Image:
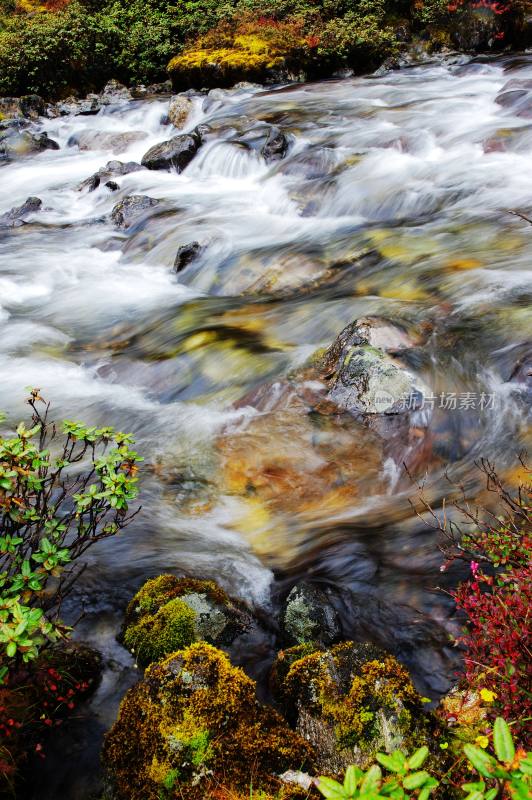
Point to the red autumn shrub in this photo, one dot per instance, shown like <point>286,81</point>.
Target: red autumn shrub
<point>496,600</point>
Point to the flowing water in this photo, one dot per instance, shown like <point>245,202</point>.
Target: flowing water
<point>393,200</point>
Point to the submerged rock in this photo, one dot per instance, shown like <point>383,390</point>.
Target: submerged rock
<point>99,140</point>
<point>309,616</point>
<point>349,703</point>
<point>111,170</point>
<point>195,723</point>
<point>179,110</point>
<point>15,217</point>
<point>130,210</point>
<point>15,143</point>
<point>185,254</point>
<point>170,613</point>
<point>176,153</point>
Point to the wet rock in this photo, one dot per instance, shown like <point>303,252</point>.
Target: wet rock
<point>128,211</point>
<point>112,186</point>
<point>115,92</point>
<point>30,106</point>
<point>185,254</point>
<point>179,110</point>
<point>309,616</point>
<point>196,719</point>
<point>112,169</point>
<point>169,613</point>
<point>349,703</point>
<point>176,153</point>
<point>363,378</point>
<point>99,140</point>
<point>516,96</point>
<point>15,217</point>
<point>275,147</point>
<point>15,143</point>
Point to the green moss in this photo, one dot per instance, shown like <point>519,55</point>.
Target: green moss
<point>160,590</point>
<point>155,636</point>
<point>196,717</point>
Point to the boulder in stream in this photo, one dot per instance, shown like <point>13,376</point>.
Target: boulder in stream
<point>17,143</point>
<point>309,616</point>
<point>100,140</point>
<point>130,210</point>
<point>194,724</point>
<point>179,110</point>
<point>185,254</point>
<point>29,106</point>
<point>275,146</point>
<point>170,613</point>
<point>111,170</point>
<point>16,217</point>
<point>176,153</point>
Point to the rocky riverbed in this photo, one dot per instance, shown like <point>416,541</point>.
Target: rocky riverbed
<point>302,300</point>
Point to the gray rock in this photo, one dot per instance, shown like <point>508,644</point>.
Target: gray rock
<point>176,153</point>
<point>179,110</point>
<point>364,378</point>
<point>185,254</point>
<point>111,170</point>
<point>309,616</point>
<point>131,210</point>
<point>15,217</point>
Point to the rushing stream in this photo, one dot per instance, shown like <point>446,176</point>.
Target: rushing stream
<point>393,200</point>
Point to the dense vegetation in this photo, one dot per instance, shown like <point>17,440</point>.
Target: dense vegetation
<point>63,47</point>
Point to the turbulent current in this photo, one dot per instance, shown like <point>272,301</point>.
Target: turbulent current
<point>394,200</point>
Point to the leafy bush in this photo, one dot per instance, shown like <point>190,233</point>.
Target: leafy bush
<point>507,774</point>
<point>55,503</point>
<point>55,53</point>
<point>496,599</point>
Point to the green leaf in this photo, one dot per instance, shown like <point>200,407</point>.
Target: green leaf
<point>416,780</point>
<point>389,762</point>
<point>371,780</point>
<point>475,796</point>
<point>481,761</point>
<point>418,758</point>
<point>502,741</point>
<point>492,794</point>
<point>11,649</point>
<point>351,779</point>
<point>331,789</point>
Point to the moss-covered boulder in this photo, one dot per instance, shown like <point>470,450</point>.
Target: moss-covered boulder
<point>192,724</point>
<point>349,703</point>
<point>170,613</point>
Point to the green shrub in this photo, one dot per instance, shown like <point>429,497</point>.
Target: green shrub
<point>56,53</point>
<point>56,501</point>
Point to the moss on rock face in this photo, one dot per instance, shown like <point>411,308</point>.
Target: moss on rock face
<point>193,723</point>
<point>170,613</point>
<point>350,702</point>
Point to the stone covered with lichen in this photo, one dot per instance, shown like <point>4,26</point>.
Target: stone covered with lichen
<point>194,723</point>
<point>170,613</point>
<point>350,702</point>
